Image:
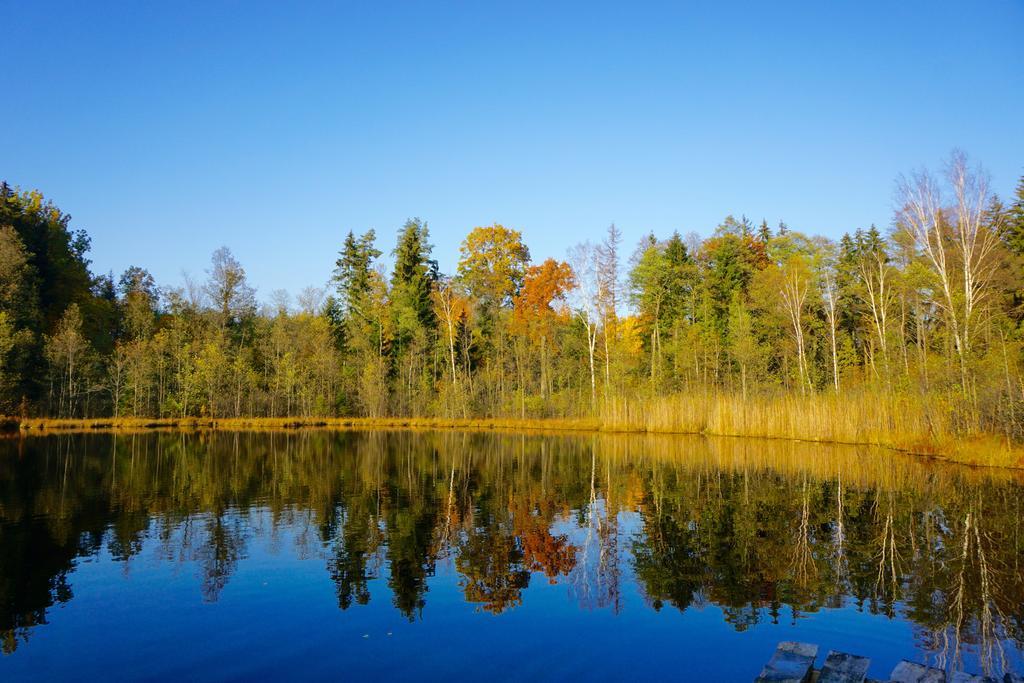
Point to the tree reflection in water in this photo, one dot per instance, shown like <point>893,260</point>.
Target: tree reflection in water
<point>760,529</point>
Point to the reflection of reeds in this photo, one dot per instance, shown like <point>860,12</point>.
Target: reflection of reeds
<point>862,467</point>
<point>914,423</point>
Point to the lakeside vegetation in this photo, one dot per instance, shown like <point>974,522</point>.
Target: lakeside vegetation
<point>910,339</point>
<point>823,422</point>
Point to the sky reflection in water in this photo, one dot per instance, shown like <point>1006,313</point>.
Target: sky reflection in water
<point>321,554</point>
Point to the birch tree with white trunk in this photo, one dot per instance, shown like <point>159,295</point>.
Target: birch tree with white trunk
<point>947,223</point>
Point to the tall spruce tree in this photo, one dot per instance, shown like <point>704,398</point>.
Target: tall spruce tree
<point>352,273</point>
<point>414,278</point>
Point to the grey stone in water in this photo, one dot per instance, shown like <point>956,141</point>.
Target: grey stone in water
<point>792,663</point>
<point>964,677</point>
<point>841,667</point>
<point>909,672</point>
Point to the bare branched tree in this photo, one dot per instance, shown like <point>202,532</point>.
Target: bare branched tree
<point>584,259</point>
<point>956,243</point>
<point>830,296</point>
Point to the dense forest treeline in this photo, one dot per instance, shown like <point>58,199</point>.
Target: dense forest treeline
<point>921,323</point>
<point>767,532</point>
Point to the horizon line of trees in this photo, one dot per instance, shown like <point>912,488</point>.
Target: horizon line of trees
<point>933,307</point>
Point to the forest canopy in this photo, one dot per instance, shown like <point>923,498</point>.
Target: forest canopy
<point>922,316</point>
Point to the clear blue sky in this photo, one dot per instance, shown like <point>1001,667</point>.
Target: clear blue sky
<point>168,129</point>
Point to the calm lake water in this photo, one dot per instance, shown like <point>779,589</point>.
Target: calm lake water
<point>330,555</point>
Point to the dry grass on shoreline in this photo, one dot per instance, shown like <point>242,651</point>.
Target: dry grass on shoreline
<point>896,423</point>
<point>912,424</point>
<point>137,424</point>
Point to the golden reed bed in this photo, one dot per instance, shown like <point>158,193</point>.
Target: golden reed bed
<point>890,422</point>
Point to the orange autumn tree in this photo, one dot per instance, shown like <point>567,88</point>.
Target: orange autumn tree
<point>539,307</point>
<point>543,550</point>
